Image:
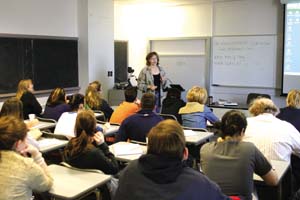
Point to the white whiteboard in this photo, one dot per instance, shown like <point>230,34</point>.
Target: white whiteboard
<point>246,61</point>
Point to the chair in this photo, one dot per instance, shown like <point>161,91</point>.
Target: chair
<point>252,96</point>
<point>46,120</point>
<point>99,115</point>
<point>168,116</point>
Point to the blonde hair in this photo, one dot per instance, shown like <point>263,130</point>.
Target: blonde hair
<point>23,87</point>
<point>197,94</point>
<point>263,105</point>
<point>92,98</point>
<point>293,99</point>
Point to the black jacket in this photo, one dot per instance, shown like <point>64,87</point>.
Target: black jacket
<point>171,106</point>
<point>162,178</point>
<point>30,105</point>
<point>97,158</point>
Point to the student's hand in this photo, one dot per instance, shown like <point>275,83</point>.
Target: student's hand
<point>98,138</point>
<point>137,101</point>
<point>33,151</point>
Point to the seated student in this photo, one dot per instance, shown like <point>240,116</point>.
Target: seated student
<point>14,107</point>
<point>94,100</point>
<point>196,114</point>
<point>19,174</point>
<point>88,149</point>
<point>291,113</point>
<point>127,108</point>
<point>56,104</point>
<point>275,138</point>
<point>162,172</point>
<point>172,103</point>
<point>223,159</point>
<point>137,126</point>
<point>66,123</point>
<point>30,103</point>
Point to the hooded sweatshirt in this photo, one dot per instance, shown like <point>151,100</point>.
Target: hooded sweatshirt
<point>164,178</point>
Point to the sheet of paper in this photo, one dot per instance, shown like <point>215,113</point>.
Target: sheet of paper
<point>46,142</point>
<point>189,133</point>
<point>127,149</point>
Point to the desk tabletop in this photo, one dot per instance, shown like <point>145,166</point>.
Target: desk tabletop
<point>239,106</point>
<point>280,167</point>
<point>198,138</point>
<point>50,144</point>
<point>113,129</point>
<point>71,184</point>
<point>129,157</point>
<point>44,125</point>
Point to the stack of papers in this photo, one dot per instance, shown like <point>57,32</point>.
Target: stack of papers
<point>188,133</point>
<point>127,149</point>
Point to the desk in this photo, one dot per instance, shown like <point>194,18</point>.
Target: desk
<point>50,144</point>
<point>201,137</point>
<point>113,129</point>
<point>220,110</point>
<point>44,125</point>
<point>126,158</point>
<point>281,168</point>
<point>72,184</point>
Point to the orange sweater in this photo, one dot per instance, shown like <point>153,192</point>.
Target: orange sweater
<point>123,111</point>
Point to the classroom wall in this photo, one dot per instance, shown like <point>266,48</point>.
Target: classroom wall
<point>138,23</point>
<point>39,17</point>
<point>89,20</point>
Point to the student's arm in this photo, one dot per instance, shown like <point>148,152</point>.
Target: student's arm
<point>105,160</point>
<point>210,116</point>
<point>39,177</point>
<point>264,169</point>
<point>270,178</point>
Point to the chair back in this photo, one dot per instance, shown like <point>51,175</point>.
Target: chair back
<point>168,116</point>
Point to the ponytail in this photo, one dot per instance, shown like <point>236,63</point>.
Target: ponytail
<point>78,145</point>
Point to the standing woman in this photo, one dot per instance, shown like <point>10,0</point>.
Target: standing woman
<point>152,78</point>
<point>25,94</point>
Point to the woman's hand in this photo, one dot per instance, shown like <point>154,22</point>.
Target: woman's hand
<point>98,138</point>
<point>152,87</point>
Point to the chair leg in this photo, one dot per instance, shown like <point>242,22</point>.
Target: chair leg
<point>98,194</point>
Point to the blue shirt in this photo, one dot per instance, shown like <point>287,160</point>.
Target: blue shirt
<point>137,126</point>
<point>199,119</point>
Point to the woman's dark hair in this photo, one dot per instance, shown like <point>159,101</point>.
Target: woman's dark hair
<point>57,97</point>
<point>85,127</point>
<point>232,123</point>
<point>75,102</point>
<point>149,56</point>
<point>12,129</point>
<point>12,107</point>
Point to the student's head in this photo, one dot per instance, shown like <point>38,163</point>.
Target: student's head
<point>152,58</point>
<point>77,102</point>
<point>148,101</point>
<point>96,85</point>
<point>293,99</point>
<point>197,94</point>
<point>167,139</point>
<point>24,85</point>
<point>233,123</point>
<point>262,105</point>
<point>173,93</point>
<point>85,128</point>
<point>12,107</point>
<point>130,94</point>
<point>57,96</point>
<point>92,98</point>
<point>13,132</point>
